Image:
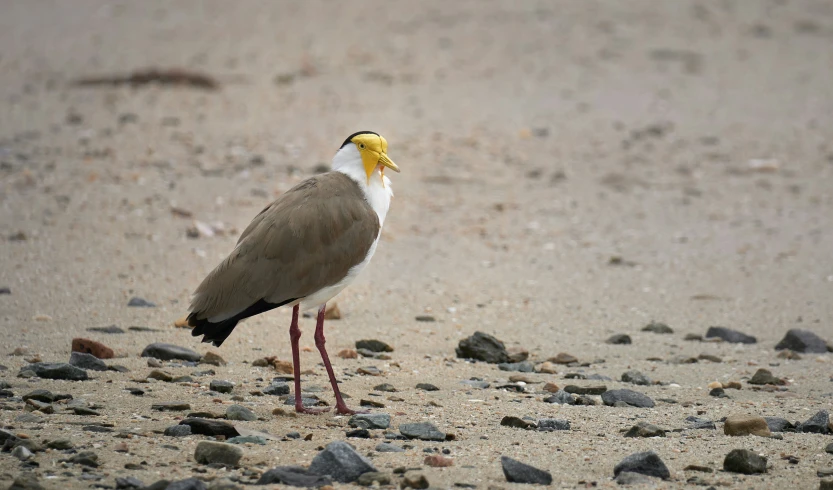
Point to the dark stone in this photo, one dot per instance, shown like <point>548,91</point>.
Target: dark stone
<point>157,485</point>
<point>208,427</point>
<point>373,345</point>
<point>619,339</point>
<point>817,424</point>
<point>221,386</point>
<point>744,461</point>
<point>239,412</point>
<point>630,397</point>
<point>169,352</point>
<point>178,431</point>
<point>730,335</point>
<point>417,481</point>
<point>370,421</point>
<point>549,425</point>
<point>645,463</point>
<point>186,484</point>
<point>644,429</point>
<point>138,302</point>
<point>5,290</point>
<point>128,482</point>
<point>424,431</point>
<point>85,458</point>
<point>657,327</point>
<point>6,393</point>
<point>57,371</point>
<point>294,476</point>
<point>358,433</point>
<point>277,389</point>
<point>341,462</point>
<point>26,481</point>
<point>112,329</point>
<point>371,477</point>
<point>44,396</point>
<point>765,377</point>
<point>170,406</point>
<point>829,448</point>
<point>87,361</point>
<point>636,378</point>
<point>778,424</point>
<point>718,392</point>
<point>386,387</point>
<point>517,422</point>
<point>561,397</point>
<point>427,387</point>
<point>803,341</point>
<point>97,428</point>
<point>483,347</point>
<point>425,318</point>
<point>522,367</point>
<point>585,390</point>
<point>699,423</point>
<point>517,472</point>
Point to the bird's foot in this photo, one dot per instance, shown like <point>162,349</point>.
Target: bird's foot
<point>344,410</point>
<point>311,411</point>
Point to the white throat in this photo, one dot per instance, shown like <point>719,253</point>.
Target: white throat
<point>349,162</point>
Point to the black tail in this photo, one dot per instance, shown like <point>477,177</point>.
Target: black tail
<point>217,333</point>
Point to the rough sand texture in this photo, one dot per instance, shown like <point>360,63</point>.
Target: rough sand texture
<point>537,141</point>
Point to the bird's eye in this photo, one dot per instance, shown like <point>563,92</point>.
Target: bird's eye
<point>361,146</point>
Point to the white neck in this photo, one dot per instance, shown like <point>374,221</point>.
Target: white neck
<point>349,162</point>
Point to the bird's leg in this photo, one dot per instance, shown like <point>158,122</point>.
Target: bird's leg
<point>294,336</point>
<point>341,407</point>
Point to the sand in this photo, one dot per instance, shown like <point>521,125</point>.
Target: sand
<point>570,170</point>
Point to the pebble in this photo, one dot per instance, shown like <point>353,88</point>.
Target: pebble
<point>137,302</point>
<point>482,347</point>
<point>635,377</point>
<point>744,461</point>
<point>476,383</point>
<point>21,453</point>
<point>522,367</point>
<point>347,354</point>
<point>26,481</point>
<point>718,392</point>
<point>424,431</point>
<point>170,352</point>
<point>425,318</point>
<point>730,335</point>
<point>88,346</point>
<point>369,370</point>
<point>657,327</point>
<point>57,371</point>
<point>170,406</point>
<point>549,425</point>
<point>709,357</point>
<point>178,431</point>
<point>386,447</point>
<point>213,359</point>
<point>644,429</point>
<point>210,427</point>
<point>358,433</point>
<point>341,462</point>
<point>629,478</point>
<point>829,448</point>
<point>186,484</point>
<point>87,361</point>
<point>209,452</point>
<point>561,397</point>
<point>277,389</point>
<point>252,439</point>
<point>517,422</point>
<point>373,345</point>
<point>517,472</point>
<point>221,386</point>
<point>585,390</point>
<point>743,425</point>
<point>551,388</point>
<point>699,423</point>
<point>817,424</point>
<point>127,482</point>
<point>765,377</point>
<point>778,424</point>
<point>427,387</point>
<point>438,461</point>
<point>803,341</point>
<point>161,375</point>
<point>85,458</point>
<point>239,412</point>
<point>563,358</point>
<point>60,444</point>
<point>619,339</point>
<point>632,398</point>
<point>645,463</point>
<point>154,363</point>
<point>415,481</point>
<point>546,367</point>
<point>370,421</point>
<point>372,477</point>
<point>295,476</point>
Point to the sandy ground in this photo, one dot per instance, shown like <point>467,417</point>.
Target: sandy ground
<point>537,141</point>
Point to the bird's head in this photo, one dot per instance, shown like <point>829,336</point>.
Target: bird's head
<point>366,149</point>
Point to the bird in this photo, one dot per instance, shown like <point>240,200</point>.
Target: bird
<point>302,250</point>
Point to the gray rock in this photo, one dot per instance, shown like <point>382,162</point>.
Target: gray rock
<point>817,424</point>
<point>44,396</point>
<point>208,427</point>
<point>561,397</point>
<point>778,424</point>
<point>85,458</point>
<point>186,484</point>
<point>340,462</point>
<point>427,387</point>
<point>730,335</point>
<point>523,367</point>
<point>765,377</point>
<point>277,389</point>
<point>635,377</point>
<point>26,481</point>
<point>111,329</point>
<point>386,447</point>
<point>386,387</point>
<point>644,463</point>
<point>87,361</point>
<point>170,352</point>
<point>221,386</point>
<point>483,347</point>
<point>475,383</point>
<point>373,345</point>
<point>178,431</point>
<point>632,398</point>
<point>123,483</point>
<point>247,440</point>
<point>644,429</point>
<point>239,412</point>
<point>21,453</point>
<point>295,476</point>
<point>699,423</point>
<point>803,341</point>
<point>829,448</point>
<point>370,421</point>
<point>424,431</point>
<point>517,422</point>
<point>744,461</point>
<point>371,477</point>
<point>619,339</point>
<point>517,472</point>
<point>60,444</point>
<point>137,302</point>
<point>58,370</point>
<point>549,425</point>
<point>209,452</point>
<point>585,390</point>
<point>657,327</point>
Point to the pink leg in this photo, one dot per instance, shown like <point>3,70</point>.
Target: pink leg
<point>341,407</point>
<point>294,335</point>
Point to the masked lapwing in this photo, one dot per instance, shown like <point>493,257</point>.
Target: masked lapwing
<point>301,251</point>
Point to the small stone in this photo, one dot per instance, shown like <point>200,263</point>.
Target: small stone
<point>221,386</point>
<point>730,335</point>
<point>84,411</point>
<point>743,425</point>
<point>745,462</point>
<point>821,473</point>
<point>644,463</point>
<point>517,422</point>
<point>693,337</point>
<point>817,424</point>
<point>632,398</point>
<point>517,354</point>
<point>213,359</point>
<point>127,482</point>
<point>154,363</point>
<point>517,472</point>
<point>60,444</point>
<point>277,389</point>
<point>161,376</point>
<point>657,327</point>
<point>92,347</point>
<point>476,383</point>
<point>733,385</point>
<point>778,424</point>
<point>170,406</point>
<point>697,467</point>
<point>585,390</point>
<point>644,429</point>
<point>138,302</point>
<point>427,387</point>
<point>209,452</point>
<point>57,371</point>
<point>251,439</point>
<point>765,377</point>
<point>549,425</point>
<point>523,367</point>
<point>370,421</point>
<point>87,361</point>
<point>296,476</point>
<point>619,339</point>
<point>424,431</point>
<point>239,412</point>
<point>386,447</point>
<point>438,461</point>
<point>636,377</point>
<point>5,290</point>
<point>709,357</point>
<point>699,423</point>
<point>561,397</point>
<point>370,371</point>
<point>26,481</point>
<point>371,477</point>
<point>332,312</point>
<point>21,453</point>
<point>85,458</point>
<point>718,392</point>
<point>789,354</point>
<point>417,482</point>
<point>829,448</point>
<point>170,352</point>
<point>373,345</point>
<point>186,484</point>
<point>425,318</point>
<point>358,433</point>
<point>546,367</point>
<point>178,431</point>
<point>628,478</point>
<point>551,388</point>
<point>803,341</point>
<point>341,462</point>
<point>563,358</point>
<point>348,354</point>
<point>483,347</point>
<point>825,484</point>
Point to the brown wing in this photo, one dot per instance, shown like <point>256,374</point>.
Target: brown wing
<point>306,240</point>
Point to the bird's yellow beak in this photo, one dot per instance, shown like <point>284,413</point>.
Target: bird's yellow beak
<point>387,162</point>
